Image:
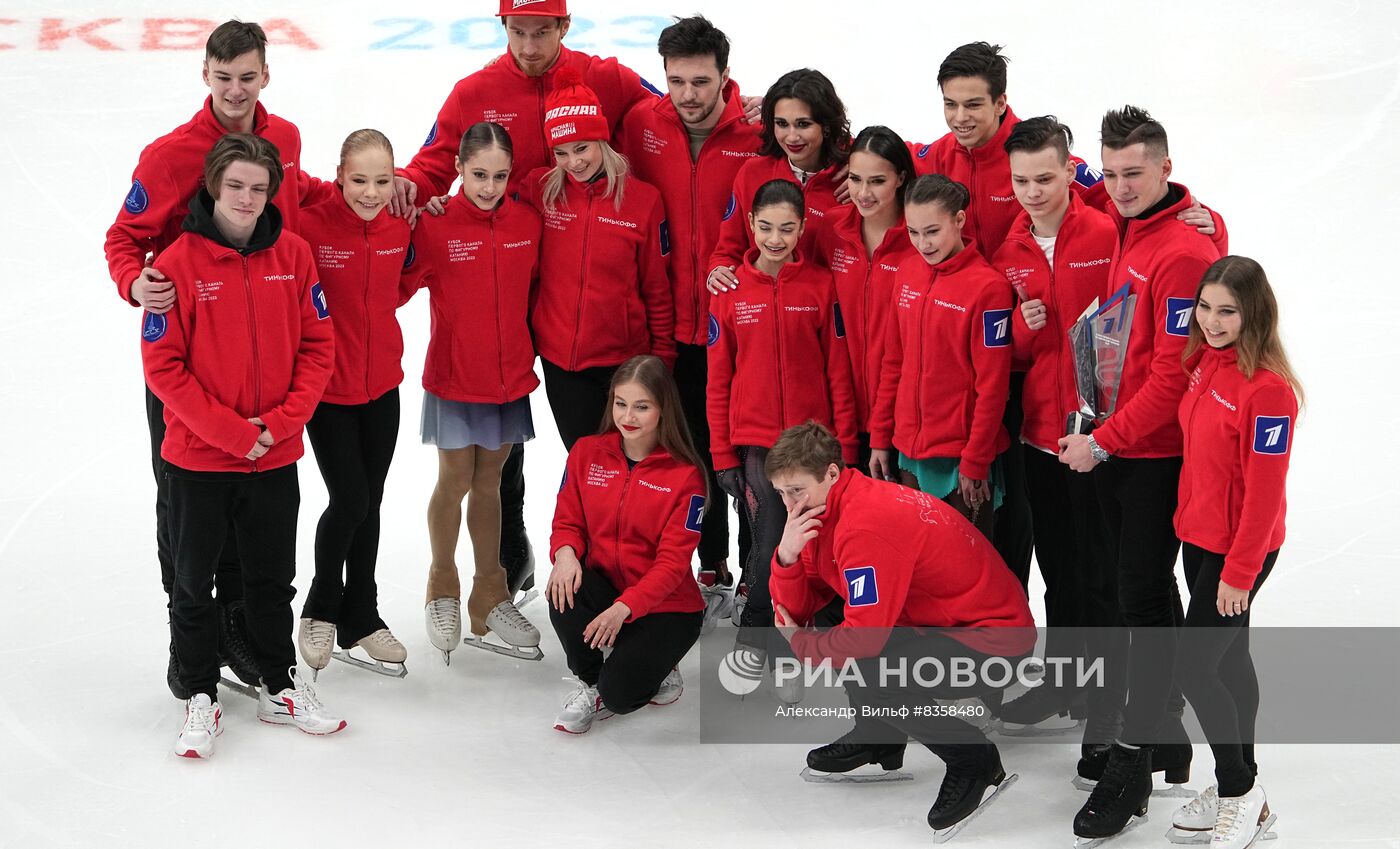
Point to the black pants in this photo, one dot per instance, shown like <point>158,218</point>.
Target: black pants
<point>1060,523</point>
<point>513,510</point>
<point>1013,532</point>
<point>951,738</point>
<point>261,512</point>
<point>645,651</point>
<point>692,372</point>
<point>1215,671</point>
<point>577,399</point>
<point>354,446</point>
<point>766,519</point>
<point>1137,498</point>
<point>228,577</point>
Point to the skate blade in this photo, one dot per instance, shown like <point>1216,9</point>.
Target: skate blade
<point>524,597</point>
<point>239,687</point>
<point>379,667</point>
<point>945,834</point>
<point>1202,838</point>
<point>1091,842</point>
<point>1037,730</point>
<point>854,777</point>
<point>517,652</point>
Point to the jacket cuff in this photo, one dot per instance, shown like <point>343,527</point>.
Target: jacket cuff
<point>973,469</point>
<point>278,425</point>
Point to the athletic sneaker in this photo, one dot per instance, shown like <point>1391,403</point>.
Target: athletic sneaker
<point>297,705</point>
<point>583,706</point>
<point>201,727</point>
<point>670,690</point>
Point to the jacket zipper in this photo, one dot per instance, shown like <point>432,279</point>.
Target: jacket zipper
<point>253,337</point>
<point>778,338</point>
<point>621,504</point>
<point>582,278</point>
<point>496,290</point>
<point>369,259</point>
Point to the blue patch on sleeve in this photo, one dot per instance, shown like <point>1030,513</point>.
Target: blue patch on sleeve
<point>840,322</point>
<point>136,200</point>
<point>651,88</point>
<point>733,205</point>
<point>665,238</point>
<point>153,327</point>
<point>432,135</point>
<point>564,479</point>
<point>318,300</point>
<point>1178,318</point>
<point>409,256</point>
<point>996,328</point>
<point>712,331</point>
<point>695,513</point>
<point>923,151</point>
<point>1271,434</point>
<point>1086,176</point>
<point>861,590</point>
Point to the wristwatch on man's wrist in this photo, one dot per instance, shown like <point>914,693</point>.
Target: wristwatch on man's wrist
<point>1095,449</point>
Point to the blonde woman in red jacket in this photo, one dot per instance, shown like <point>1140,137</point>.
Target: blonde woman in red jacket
<point>626,524</point>
<point>360,250</point>
<point>604,295</point>
<point>240,362</point>
<point>1237,419</point>
<point>478,259</point>
<point>947,364</point>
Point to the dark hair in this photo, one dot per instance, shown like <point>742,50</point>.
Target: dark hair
<point>1259,345</point>
<point>1132,125</point>
<point>693,36</point>
<point>232,39</point>
<point>936,188</point>
<point>1035,134</point>
<point>775,192</point>
<point>242,147</point>
<point>674,433</point>
<point>484,135</point>
<point>978,59</point>
<point>808,447</point>
<point>886,144</point>
<point>814,89</point>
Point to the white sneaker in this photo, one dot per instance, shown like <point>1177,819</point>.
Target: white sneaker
<point>202,725</point>
<point>670,690</point>
<point>1241,820</point>
<point>583,706</point>
<point>316,639</point>
<point>297,705</point>
<point>1198,815</point>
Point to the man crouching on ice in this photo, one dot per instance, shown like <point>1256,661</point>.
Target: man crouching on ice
<point>903,563</point>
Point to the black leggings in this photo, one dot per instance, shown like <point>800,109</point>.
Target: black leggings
<point>354,446</point>
<point>577,399</point>
<point>766,518</point>
<point>1215,671</point>
<point>692,372</point>
<point>643,654</point>
<point>261,511</point>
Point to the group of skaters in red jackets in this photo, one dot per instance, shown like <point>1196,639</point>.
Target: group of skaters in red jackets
<point>862,341</point>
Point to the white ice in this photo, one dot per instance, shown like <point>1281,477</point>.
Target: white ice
<point>1282,116</point>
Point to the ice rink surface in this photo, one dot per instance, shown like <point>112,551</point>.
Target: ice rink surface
<point>1281,116</point>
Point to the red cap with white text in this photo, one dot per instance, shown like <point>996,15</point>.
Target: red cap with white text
<point>539,8</point>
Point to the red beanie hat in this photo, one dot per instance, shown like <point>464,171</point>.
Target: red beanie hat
<point>572,112</point>
<point>541,8</point>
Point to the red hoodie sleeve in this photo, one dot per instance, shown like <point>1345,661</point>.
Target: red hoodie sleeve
<point>877,584</point>
<point>315,359</point>
<point>620,89</point>
<point>719,384</point>
<point>674,552</point>
<point>838,375</point>
<point>570,527</point>
<point>314,190</point>
<point>151,203</point>
<point>734,235</point>
<point>1156,401</point>
<point>417,270</point>
<point>432,168</point>
<point>882,415</point>
<point>167,373</point>
<point>1264,453</point>
<point>798,588</point>
<point>991,375</point>
<point>655,284</point>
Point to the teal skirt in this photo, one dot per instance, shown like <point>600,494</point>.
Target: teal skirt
<point>938,476</point>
